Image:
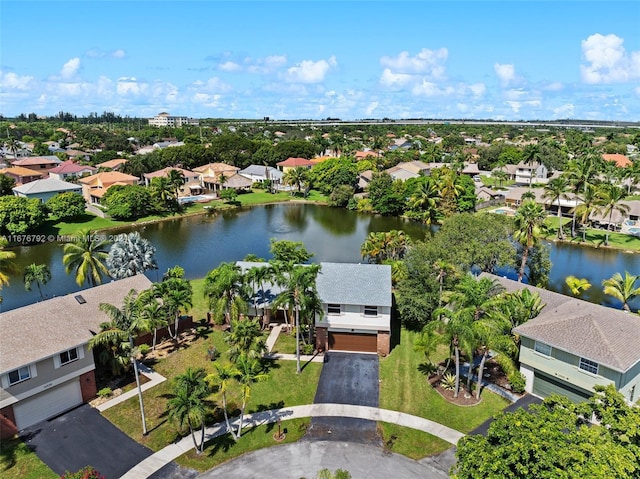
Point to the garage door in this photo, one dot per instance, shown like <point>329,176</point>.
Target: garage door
<point>544,386</point>
<point>353,342</point>
<point>47,404</point>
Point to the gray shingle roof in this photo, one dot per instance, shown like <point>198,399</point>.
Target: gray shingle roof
<point>47,186</point>
<point>605,335</point>
<point>43,329</point>
<point>363,284</point>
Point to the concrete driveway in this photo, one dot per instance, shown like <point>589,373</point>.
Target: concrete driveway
<point>347,378</point>
<point>83,437</point>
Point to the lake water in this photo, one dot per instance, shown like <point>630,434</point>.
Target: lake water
<point>200,243</point>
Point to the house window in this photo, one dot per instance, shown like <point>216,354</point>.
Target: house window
<point>68,356</point>
<point>371,311</point>
<point>19,375</point>
<point>589,366</point>
<point>334,309</point>
<point>542,348</point>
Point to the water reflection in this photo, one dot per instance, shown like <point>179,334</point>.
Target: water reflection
<point>200,243</point>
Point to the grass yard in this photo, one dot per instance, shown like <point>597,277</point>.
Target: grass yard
<point>17,461</point>
<point>594,237</point>
<point>404,388</point>
<point>284,388</point>
<point>223,449</point>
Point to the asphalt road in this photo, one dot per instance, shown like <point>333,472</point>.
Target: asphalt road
<point>347,378</point>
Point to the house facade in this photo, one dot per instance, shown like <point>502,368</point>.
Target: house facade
<point>69,169</point>
<point>527,174</point>
<point>21,175</point>
<point>95,186</point>
<point>574,345</point>
<point>356,301</point>
<point>39,164</point>
<point>164,119</point>
<point>46,367</point>
<point>46,189</point>
<point>258,173</point>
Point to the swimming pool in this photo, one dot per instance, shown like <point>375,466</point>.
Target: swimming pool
<point>634,231</point>
<point>193,199</point>
<point>503,211</point>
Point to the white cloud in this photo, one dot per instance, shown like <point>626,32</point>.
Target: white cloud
<point>371,108</point>
<point>554,86</point>
<point>637,90</point>
<point>230,66</point>
<point>309,71</point>
<point>119,53</point>
<point>212,85</point>
<point>430,89</point>
<point>478,89</point>
<point>517,105</point>
<point>427,62</point>
<point>12,81</point>
<point>395,80</point>
<point>276,61</point>
<point>130,86</point>
<point>97,53</point>
<point>70,68</point>
<point>564,111</point>
<point>608,61</point>
<point>506,72</point>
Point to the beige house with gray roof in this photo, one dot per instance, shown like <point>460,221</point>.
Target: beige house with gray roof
<point>574,345</point>
<point>46,367</point>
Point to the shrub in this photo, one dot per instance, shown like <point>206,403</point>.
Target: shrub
<point>307,348</point>
<point>448,382</point>
<point>517,381</point>
<point>87,472</point>
<point>144,349</point>
<point>105,392</point>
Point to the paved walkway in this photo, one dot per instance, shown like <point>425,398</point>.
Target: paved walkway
<point>154,380</point>
<point>156,461</point>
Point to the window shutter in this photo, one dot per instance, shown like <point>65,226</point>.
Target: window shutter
<point>56,361</point>
<point>80,350</point>
<point>32,370</point>
<point>5,380</point>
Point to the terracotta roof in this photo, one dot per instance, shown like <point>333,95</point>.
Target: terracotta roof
<point>165,172</point>
<point>363,154</point>
<point>43,329</point>
<point>605,335</point>
<point>215,167</point>
<point>112,163</point>
<point>620,160</point>
<point>295,162</point>
<point>69,167</point>
<point>108,178</point>
<point>20,171</point>
<point>37,160</point>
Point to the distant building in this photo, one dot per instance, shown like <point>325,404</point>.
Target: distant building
<point>164,119</point>
<point>46,189</point>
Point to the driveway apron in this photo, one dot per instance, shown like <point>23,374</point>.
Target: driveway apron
<point>83,437</point>
<point>347,378</point>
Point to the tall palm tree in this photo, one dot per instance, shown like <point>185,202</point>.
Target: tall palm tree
<point>153,312</point>
<point>223,287</point>
<point>489,337</point>
<point>296,177</point>
<point>7,264</point>
<point>130,254</point>
<point>623,289</point>
<point>163,192</point>
<point>124,324</point>
<point>555,191</point>
<point>40,274</point>
<point>588,204</point>
<point>531,155</point>
<point>608,200</point>
<point>176,295</point>
<point>245,338</point>
<point>86,255</point>
<point>225,373</point>
<point>188,404</point>
<point>257,277</point>
<point>425,200</point>
<point>450,189</point>
<point>442,269</point>
<point>176,180</point>
<point>251,372</point>
<point>529,220</point>
<point>580,173</point>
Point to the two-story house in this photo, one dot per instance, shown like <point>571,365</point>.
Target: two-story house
<point>46,367</point>
<point>70,169</point>
<point>530,173</point>
<point>95,186</point>
<point>574,345</point>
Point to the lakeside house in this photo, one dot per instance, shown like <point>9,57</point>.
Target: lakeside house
<point>189,177</point>
<point>46,189</point>
<point>95,186</point>
<point>70,169</point>
<point>291,163</point>
<point>38,164</point>
<point>112,165</point>
<point>210,175</point>
<point>21,175</point>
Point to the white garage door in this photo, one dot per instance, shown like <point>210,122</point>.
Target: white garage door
<point>47,404</point>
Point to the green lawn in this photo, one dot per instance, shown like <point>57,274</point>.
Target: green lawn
<point>494,183</point>
<point>17,461</point>
<point>404,388</point>
<point>594,237</point>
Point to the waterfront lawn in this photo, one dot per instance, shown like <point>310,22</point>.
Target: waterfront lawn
<point>594,237</point>
<point>17,461</point>
<point>404,388</point>
<point>284,388</point>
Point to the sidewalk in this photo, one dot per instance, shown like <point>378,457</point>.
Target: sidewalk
<point>158,460</point>
<point>154,380</point>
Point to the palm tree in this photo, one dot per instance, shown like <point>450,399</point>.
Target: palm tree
<point>86,255</point>
<point>490,338</point>
<point>577,285</point>
<point>222,378</point>
<point>554,191</point>
<point>450,189</point>
<point>587,206</point>
<point>425,200</point>
<point>443,269</point>
<point>531,155</point>
<point>529,227</point>
<point>296,177</point>
<point>251,372</point>
<point>153,312</point>
<point>297,282</point>
<point>163,191</point>
<point>130,254</point>
<point>124,324</point>
<point>257,276</point>
<point>40,274</point>
<point>608,200</point>
<point>580,173</point>
<point>176,180</point>
<point>245,338</point>
<point>188,404</point>
<point>176,295</point>
<point>7,265</point>
<point>623,289</point>
<point>224,288</point>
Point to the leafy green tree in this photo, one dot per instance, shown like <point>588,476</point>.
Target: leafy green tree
<point>529,228</point>
<point>188,405</point>
<point>7,183</point>
<point>40,274</point>
<point>86,255</point>
<point>340,196</point>
<point>66,205</point>
<point>228,194</point>
<point>288,251</point>
<point>245,338</point>
<point>382,246</point>
<point>128,201</point>
<point>129,255</point>
<point>19,215</point>
<point>294,149</point>
<point>555,439</point>
<point>118,334</point>
<point>332,173</point>
<point>223,287</point>
<point>338,474</point>
<point>387,197</point>
<point>424,201</point>
<point>296,177</point>
<point>164,194</point>
<point>251,372</point>
<point>624,289</point>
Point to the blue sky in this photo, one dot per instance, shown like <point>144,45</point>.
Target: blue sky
<point>505,60</point>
